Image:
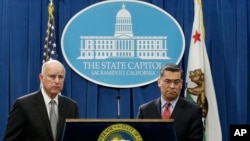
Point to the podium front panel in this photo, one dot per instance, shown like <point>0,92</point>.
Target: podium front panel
<point>119,130</point>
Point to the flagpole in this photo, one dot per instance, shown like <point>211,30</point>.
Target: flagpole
<point>50,17</point>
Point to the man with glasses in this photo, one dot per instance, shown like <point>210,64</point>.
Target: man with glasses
<point>187,116</point>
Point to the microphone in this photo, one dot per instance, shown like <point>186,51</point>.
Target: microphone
<point>118,106</point>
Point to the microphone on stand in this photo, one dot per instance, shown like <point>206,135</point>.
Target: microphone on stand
<point>118,106</point>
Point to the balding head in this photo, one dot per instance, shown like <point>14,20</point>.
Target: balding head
<point>52,77</point>
<point>51,62</point>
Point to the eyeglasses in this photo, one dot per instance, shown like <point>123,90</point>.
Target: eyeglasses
<point>175,82</point>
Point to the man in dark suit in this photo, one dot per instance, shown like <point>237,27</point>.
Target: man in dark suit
<point>29,119</point>
<point>187,116</point>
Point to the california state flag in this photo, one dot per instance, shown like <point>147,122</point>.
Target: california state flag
<point>200,88</point>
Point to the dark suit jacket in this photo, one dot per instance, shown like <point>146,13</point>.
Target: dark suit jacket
<point>29,121</point>
<point>187,118</point>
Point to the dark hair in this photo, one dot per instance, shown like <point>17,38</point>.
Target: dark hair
<point>171,67</point>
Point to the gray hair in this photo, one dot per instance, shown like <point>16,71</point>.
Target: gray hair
<point>171,67</point>
<point>51,61</point>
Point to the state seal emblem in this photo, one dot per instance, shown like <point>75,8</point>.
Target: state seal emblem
<point>120,132</point>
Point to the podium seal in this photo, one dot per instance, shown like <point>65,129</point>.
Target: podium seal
<point>120,132</point>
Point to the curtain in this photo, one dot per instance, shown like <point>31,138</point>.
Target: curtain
<point>22,36</point>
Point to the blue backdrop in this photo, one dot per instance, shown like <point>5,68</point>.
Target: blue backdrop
<point>22,32</point>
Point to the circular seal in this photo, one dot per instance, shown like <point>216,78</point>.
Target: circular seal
<point>120,132</point>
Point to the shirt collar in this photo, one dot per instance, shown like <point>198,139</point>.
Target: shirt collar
<point>173,103</point>
<point>46,98</point>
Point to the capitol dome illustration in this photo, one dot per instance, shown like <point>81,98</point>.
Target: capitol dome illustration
<point>123,44</point>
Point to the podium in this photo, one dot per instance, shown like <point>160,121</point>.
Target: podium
<point>119,130</point>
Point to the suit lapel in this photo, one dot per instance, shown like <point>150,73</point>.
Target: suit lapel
<point>178,108</point>
<point>158,105</point>
<point>43,111</point>
<point>61,112</point>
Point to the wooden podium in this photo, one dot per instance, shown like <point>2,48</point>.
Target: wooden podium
<point>119,130</point>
